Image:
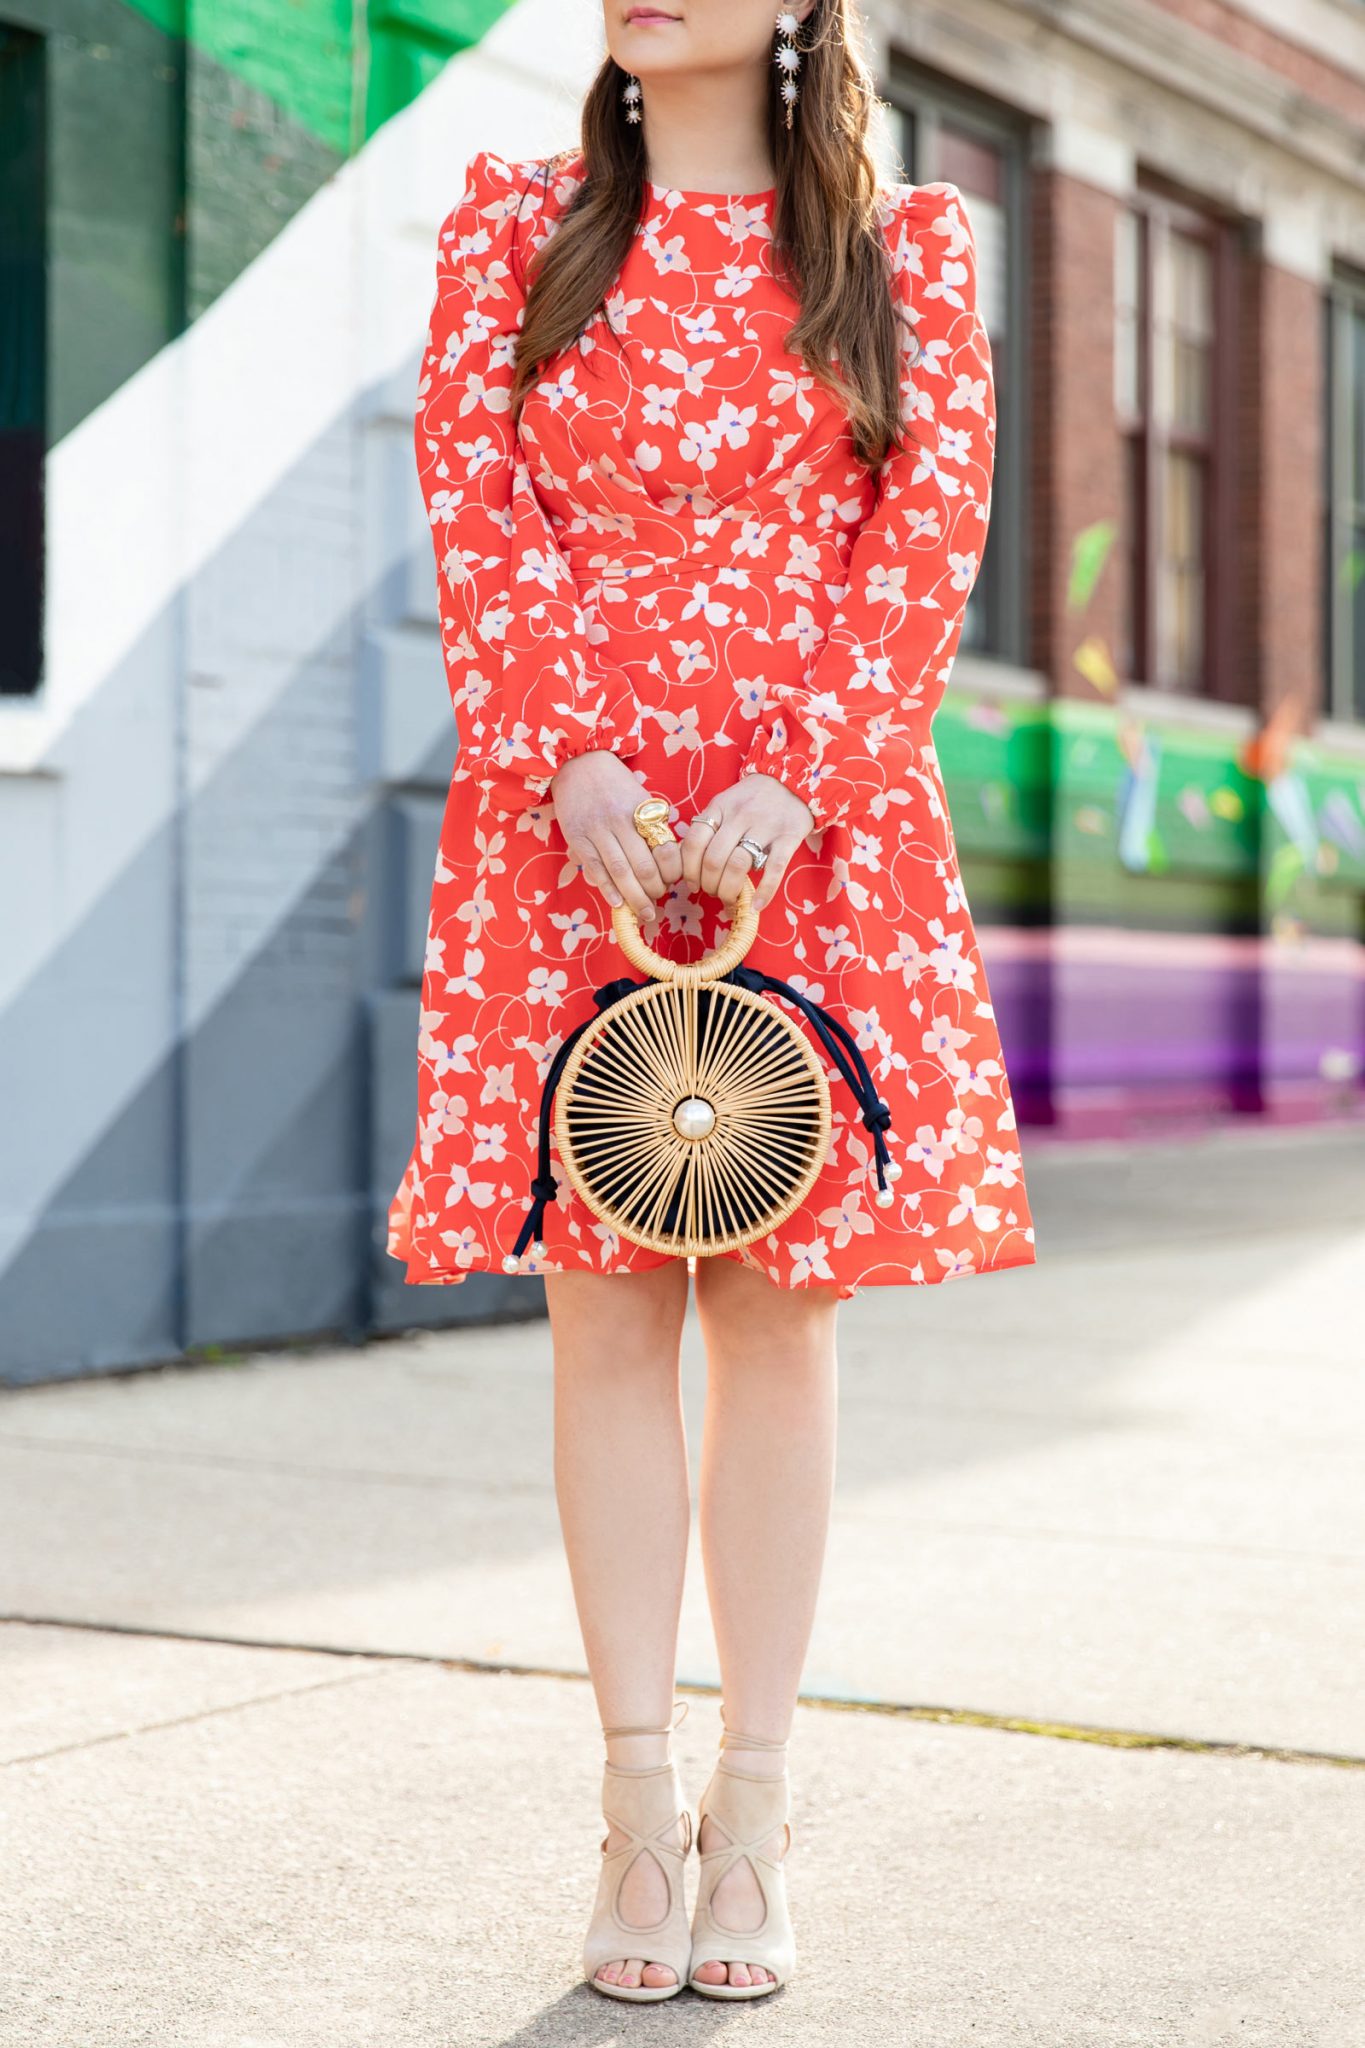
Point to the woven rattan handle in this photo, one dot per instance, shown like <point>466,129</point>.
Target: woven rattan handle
<point>711,966</point>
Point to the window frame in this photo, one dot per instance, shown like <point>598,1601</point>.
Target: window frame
<point>25,246</point>
<point>1343,305</point>
<point>1161,211</point>
<point>922,102</point>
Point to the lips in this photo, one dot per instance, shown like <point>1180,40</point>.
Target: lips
<point>643,14</point>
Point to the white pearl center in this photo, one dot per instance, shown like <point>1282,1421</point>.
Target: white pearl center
<point>694,1117</point>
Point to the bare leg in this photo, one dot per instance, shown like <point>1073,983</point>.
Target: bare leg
<point>767,1480</point>
<point>620,1464</point>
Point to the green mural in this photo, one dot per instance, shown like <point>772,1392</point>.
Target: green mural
<point>183,138</point>
<point>1078,811</point>
<point>335,70</point>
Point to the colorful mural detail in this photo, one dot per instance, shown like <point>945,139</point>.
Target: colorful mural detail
<point>1172,917</point>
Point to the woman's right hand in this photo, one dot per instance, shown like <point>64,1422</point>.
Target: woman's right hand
<point>594,797</point>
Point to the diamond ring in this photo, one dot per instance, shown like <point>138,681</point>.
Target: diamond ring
<point>758,855</point>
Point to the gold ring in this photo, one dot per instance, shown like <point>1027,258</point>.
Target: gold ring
<point>651,821</point>
<point>714,823</point>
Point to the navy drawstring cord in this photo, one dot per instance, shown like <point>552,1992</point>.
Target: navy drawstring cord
<point>545,1188</point>
<point>845,1054</point>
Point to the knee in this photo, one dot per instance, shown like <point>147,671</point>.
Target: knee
<point>750,1323</point>
<point>619,1324</point>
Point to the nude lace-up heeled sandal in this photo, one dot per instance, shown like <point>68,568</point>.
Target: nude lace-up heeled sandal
<point>745,1810</point>
<point>644,1802</point>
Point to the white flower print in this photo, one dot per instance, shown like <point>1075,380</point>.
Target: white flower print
<point>710,608</point>
<point>577,924</point>
<point>980,1213</point>
<point>460,1187</point>
<point>660,405</point>
<point>803,630</point>
<point>948,959</point>
<point>681,729</point>
<point>468,982</point>
<point>453,1058</point>
<point>736,281</point>
<point>693,659</point>
<point>908,960</point>
<point>667,256</point>
<point>463,1245</point>
<point>1002,1167</point>
<point>701,328</point>
<point>838,943</point>
<point>945,1040</point>
<point>499,1085</point>
<point>962,1130</point>
<point>974,1077</point>
<point>804,561</point>
<point>929,1150</point>
<point>672,554</point>
<point>608,1244</point>
<point>955,1264</point>
<point>969,392</point>
<point>922,523</point>
<point>546,985</point>
<point>811,1261</point>
<point>848,1220</point>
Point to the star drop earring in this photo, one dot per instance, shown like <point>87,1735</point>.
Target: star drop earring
<point>788,60</point>
<point>630,93</point>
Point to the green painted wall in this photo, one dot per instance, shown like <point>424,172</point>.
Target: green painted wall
<point>1077,813</point>
<point>332,70</point>
<point>184,137</point>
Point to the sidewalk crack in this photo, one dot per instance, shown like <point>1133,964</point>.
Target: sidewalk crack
<point>824,1702</point>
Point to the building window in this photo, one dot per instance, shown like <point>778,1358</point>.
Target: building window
<point>1346,498</point>
<point>946,138</point>
<point>23,356</point>
<point>1170,282</point>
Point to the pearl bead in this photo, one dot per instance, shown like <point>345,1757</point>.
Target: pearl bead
<point>511,1263</point>
<point>894,1169</point>
<point>884,1198</point>
<point>694,1117</point>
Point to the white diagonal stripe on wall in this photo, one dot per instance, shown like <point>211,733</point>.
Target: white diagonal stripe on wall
<point>190,583</point>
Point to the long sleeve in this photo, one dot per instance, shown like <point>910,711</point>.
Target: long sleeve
<point>520,664</point>
<point>850,731</point>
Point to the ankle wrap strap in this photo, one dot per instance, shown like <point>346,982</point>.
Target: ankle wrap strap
<point>733,1738</point>
<point>667,1728</point>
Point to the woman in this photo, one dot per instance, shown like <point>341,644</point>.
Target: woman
<point>705,434</point>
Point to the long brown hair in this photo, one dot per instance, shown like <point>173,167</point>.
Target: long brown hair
<point>827,246</point>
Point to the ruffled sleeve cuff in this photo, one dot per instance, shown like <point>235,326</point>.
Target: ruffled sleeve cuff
<point>783,746</point>
<point>522,763</point>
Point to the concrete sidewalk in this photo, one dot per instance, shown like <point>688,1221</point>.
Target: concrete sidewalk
<point>265,1796</point>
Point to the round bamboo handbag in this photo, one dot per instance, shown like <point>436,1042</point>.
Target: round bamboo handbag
<point>691,1114</point>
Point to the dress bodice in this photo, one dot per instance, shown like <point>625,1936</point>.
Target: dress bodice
<point>681,427</point>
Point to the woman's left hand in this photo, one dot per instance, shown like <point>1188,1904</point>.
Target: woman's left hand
<point>761,808</point>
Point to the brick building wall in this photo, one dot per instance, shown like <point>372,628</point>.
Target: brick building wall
<point>1173,896</point>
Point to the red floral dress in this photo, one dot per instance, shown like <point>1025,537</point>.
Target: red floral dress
<point>678,556</point>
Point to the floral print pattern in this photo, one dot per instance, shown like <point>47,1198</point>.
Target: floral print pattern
<point>676,555</point>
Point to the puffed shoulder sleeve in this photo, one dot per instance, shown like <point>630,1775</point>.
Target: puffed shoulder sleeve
<point>854,729</point>
<point>524,679</point>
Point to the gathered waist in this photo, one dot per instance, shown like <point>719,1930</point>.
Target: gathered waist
<point>734,545</point>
